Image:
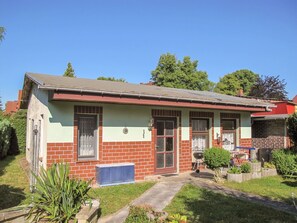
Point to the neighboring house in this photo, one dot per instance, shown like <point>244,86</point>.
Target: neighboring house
<point>269,129</point>
<point>13,106</point>
<point>87,122</point>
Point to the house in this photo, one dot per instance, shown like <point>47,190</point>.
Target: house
<point>13,106</point>
<point>269,129</point>
<point>88,122</point>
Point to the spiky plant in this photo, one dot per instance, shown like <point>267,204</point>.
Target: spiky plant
<point>57,197</point>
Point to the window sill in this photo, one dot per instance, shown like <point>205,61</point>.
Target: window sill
<point>86,160</point>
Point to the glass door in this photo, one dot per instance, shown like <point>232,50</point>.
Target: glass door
<point>165,145</point>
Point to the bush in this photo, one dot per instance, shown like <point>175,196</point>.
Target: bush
<point>292,128</point>
<point>215,158</point>
<point>56,197</point>
<point>285,161</point>
<point>268,165</point>
<point>138,214</point>
<point>5,136</point>
<point>19,123</point>
<point>246,168</point>
<point>234,170</point>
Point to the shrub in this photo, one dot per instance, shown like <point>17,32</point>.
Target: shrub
<point>56,197</point>
<point>177,218</point>
<point>137,214</point>
<point>5,136</point>
<point>234,170</point>
<point>215,158</point>
<point>269,165</point>
<point>19,123</point>
<point>246,168</point>
<point>292,128</point>
<point>285,161</point>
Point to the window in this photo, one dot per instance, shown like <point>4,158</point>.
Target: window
<point>200,135</point>
<point>87,136</point>
<point>229,124</point>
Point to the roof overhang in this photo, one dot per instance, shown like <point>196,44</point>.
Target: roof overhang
<point>271,117</point>
<point>140,100</point>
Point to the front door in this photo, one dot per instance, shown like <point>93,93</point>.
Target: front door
<point>229,134</point>
<point>165,145</point>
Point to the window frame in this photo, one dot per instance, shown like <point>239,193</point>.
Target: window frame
<point>202,133</point>
<point>95,156</point>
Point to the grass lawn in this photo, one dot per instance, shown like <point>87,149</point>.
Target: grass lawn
<point>276,188</point>
<point>14,183</point>
<point>201,205</point>
<point>113,198</point>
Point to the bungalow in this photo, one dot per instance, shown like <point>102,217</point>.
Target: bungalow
<point>88,122</point>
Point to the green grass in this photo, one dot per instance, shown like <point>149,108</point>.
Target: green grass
<point>276,187</point>
<point>201,205</point>
<point>14,184</point>
<point>113,198</point>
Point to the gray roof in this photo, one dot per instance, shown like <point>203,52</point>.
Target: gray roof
<point>61,83</point>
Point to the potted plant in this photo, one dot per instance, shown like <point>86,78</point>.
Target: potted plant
<point>246,171</point>
<point>234,174</point>
<point>215,158</point>
<point>268,169</point>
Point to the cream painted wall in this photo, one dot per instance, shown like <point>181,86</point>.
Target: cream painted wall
<point>60,127</point>
<point>246,131</point>
<point>37,114</point>
<point>135,118</point>
<point>217,124</point>
<point>185,124</point>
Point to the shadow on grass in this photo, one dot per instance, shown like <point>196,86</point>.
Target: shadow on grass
<point>290,183</point>
<point>4,163</point>
<point>11,196</point>
<point>202,205</point>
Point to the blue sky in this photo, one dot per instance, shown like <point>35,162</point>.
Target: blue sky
<point>126,38</point>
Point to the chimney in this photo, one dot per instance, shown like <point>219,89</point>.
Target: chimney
<point>240,92</point>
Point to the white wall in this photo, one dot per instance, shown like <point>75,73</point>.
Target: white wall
<point>37,112</point>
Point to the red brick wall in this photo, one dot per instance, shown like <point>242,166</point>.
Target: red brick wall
<point>185,156</point>
<point>139,153</point>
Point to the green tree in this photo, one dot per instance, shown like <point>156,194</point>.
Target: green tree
<point>231,83</point>
<point>69,72</point>
<point>269,87</point>
<point>1,105</point>
<point>292,128</point>
<point>2,32</point>
<point>173,73</point>
<point>111,79</point>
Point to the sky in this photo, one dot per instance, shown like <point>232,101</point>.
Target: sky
<point>125,38</point>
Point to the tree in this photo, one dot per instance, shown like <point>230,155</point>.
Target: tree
<point>1,105</point>
<point>111,79</point>
<point>231,83</point>
<point>2,32</point>
<point>269,87</point>
<point>173,73</point>
<point>292,128</point>
<point>69,72</point>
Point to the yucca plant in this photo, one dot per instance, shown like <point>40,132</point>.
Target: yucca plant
<point>56,197</point>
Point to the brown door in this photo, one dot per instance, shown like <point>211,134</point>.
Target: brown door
<point>165,145</point>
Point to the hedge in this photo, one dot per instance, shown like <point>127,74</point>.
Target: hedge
<point>5,136</point>
<point>19,122</point>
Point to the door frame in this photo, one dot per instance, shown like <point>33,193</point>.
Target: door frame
<point>175,147</point>
<point>233,131</point>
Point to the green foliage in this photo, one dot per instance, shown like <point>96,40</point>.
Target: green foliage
<point>69,72</point>
<point>269,87</point>
<point>216,157</point>
<point>137,214</point>
<point>2,32</point>
<point>246,168</point>
<point>111,79</point>
<point>173,73</point>
<point>19,124</point>
<point>5,136</point>
<point>292,128</point>
<point>234,170</point>
<point>177,218</point>
<point>231,83</point>
<point>269,165</point>
<point>57,198</point>
<point>285,161</point>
